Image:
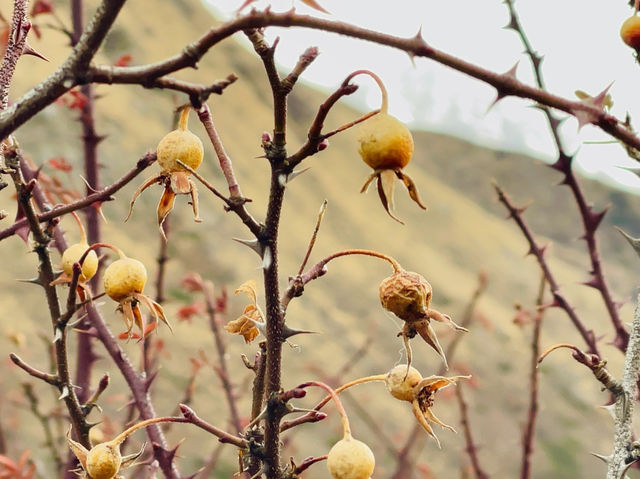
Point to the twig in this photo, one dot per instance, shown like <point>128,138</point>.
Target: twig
<point>44,422</point>
<point>471,447</point>
<point>221,348</point>
<point>36,373</point>
<point>222,436</point>
<point>198,93</point>
<point>314,235</point>
<point>539,251</point>
<point>87,201</point>
<point>530,427</point>
<point>226,165</point>
<point>233,204</point>
<point>591,219</point>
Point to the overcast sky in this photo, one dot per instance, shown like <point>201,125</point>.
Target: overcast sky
<point>578,38</point>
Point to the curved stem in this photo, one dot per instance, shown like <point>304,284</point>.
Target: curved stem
<point>102,245</point>
<point>343,414</point>
<point>147,422</point>
<point>384,106</point>
<point>83,233</point>
<point>183,122</point>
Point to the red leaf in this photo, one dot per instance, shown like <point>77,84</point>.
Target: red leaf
<point>123,61</point>
<point>78,102</point>
<point>185,313</point>
<point>60,164</point>
<point>42,6</point>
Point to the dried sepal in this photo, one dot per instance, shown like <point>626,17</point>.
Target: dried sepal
<point>411,188</point>
<point>147,183</point>
<point>246,324</point>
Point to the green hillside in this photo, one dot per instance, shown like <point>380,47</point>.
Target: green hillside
<point>463,231</point>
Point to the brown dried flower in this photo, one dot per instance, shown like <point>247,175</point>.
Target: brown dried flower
<point>246,324</point>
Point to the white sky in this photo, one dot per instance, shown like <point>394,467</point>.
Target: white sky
<point>578,38</point>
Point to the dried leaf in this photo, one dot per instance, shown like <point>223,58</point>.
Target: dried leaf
<point>411,188</point>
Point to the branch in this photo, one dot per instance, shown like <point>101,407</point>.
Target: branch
<point>46,276</point>
<point>20,27</point>
<point>222,436</point>
<point>538,251</point>
<point>214,323</point>
<point>99,196</point>
<point>618,461</point>
<point>69,74</point>
<point>472,448</point>
<point>198,93</point>
<point>590,218</point>
<point>65,77</point>
<point>36,373</point>
<point>530,428</point>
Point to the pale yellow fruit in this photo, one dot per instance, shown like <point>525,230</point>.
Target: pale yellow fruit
<point>124,277</point>
<point>73,254</point>
<point>630,32</point>
<point>385,143</point>
<point>350,459</point>
<point>103,461</point>
<point>400,384</point>
<point>179,145</point>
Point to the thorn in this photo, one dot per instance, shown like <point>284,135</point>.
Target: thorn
<point>296,173</point>
<point>594,219</point>
<point>57,335</point>
<point>512,25</point>
<point>149,381</point>
<point>282,180</point>
<point>593,283</point>
<point>65,392</point>
<point>605,459</point>
<point>32,281</point>
<point>634,242</point>
<point>266,258</point>
<point>254,244</point>
<point>28,50</point>
<point>511,72</point>
<point>584,118</point>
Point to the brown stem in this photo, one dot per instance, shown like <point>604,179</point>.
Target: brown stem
<point>538,252</point>
<point>226,165</point>
<point>471,448</point>
<point>296,285</point>
<point>221,348</point>
<point>590,218</point>
<point>87,201</point>
<point>314,235</point>
<point>46,276</point>
<point>237,205</point>
<point>223,436</point>
<point>530,427</point>
<point>45,422</point>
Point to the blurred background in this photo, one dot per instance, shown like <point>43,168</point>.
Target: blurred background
<point>458,150</point>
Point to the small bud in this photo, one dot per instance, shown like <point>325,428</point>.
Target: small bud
<point>323,145</point>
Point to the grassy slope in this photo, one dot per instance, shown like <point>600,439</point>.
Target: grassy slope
<point>463,231</point>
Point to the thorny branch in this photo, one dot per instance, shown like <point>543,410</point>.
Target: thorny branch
<point>538,251</point>
<point>20,27</point>
<point>471,447</point>
<point>74,69</point>
<point>591,219</point>
<point>41,240</point>
<point>103,195</point>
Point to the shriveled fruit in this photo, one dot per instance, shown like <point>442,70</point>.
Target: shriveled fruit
<point>350,459</point>
<point>401,382</point>
<point>124,277</point>
<point>630,32</point>
<point>406,294</point>
<point>73,254</point>
<point>385,143</point>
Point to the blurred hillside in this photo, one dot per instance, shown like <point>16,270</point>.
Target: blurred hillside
<point>463,232</point>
